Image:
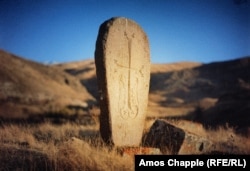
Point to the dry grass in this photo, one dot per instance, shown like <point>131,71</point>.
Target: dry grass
<point>51,147</point>
<point>72,146</point>
<point>227,140</point>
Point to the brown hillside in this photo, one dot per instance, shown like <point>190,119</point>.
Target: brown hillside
<point>213,94</point>
<point>27,87</point>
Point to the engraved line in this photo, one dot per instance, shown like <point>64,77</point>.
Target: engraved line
<point>129,75</point>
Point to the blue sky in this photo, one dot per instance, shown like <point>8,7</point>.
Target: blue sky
<point>178,30</point>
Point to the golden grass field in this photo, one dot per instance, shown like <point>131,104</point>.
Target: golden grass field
<point>71,146</point>
<point>50,147</point>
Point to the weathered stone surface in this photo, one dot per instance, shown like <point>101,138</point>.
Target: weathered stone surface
<point>122,59</point>
<point>173,140</point>
<point>194,144</point>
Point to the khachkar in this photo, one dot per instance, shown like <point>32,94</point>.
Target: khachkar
<point>122,59</point>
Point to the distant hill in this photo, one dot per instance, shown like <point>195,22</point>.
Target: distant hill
<point>214,94</point>
<point>27,87</point>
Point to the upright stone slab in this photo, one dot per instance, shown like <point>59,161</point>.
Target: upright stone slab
<point>122,59</point>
